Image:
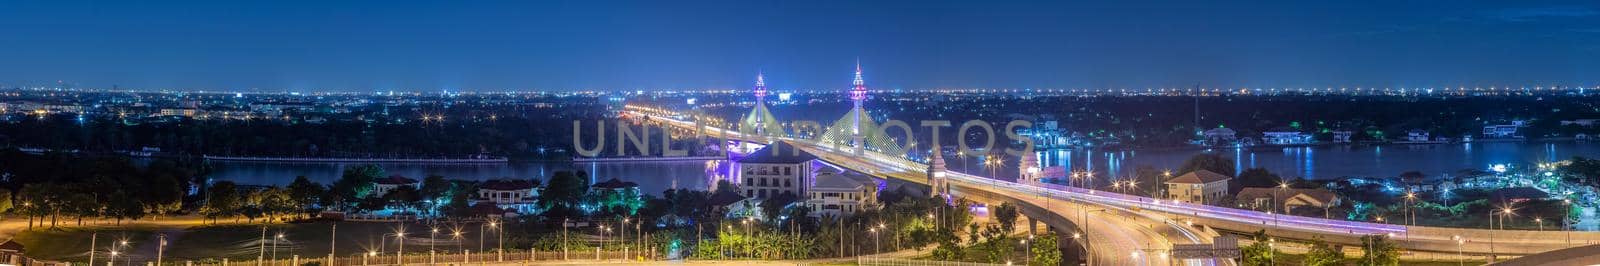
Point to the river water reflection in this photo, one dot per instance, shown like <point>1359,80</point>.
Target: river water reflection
<point>1323,162</point>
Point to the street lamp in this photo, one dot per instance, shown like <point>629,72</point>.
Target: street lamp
<point>400,254</point>
<point>275,239</point>
<point>500,240</point>
<point>1411,217</point>
<point>874,232</point>
<point>456,235</point>
<point>1460,260</point>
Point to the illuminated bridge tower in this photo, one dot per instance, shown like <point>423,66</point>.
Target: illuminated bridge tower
<point>857,129</point>
<point>760,120</point>
<point>938,185</point>
<point>858,94</point>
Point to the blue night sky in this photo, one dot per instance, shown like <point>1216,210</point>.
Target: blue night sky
<point>464,45</point>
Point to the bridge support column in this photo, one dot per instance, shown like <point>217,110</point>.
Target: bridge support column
<point>1033,226</point>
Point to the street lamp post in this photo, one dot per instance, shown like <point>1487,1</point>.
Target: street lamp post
<point>500,240</point>
<point>1411,217</point>
<point>456,235</point>
<point>874,232</point>
<point>1460,260</point>
<point>275,239</point>
<point>161,247</point>
<point>400,253</point>
<point>262,246</point>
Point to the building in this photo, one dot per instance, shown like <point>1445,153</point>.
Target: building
<point>776,169</point>
<point>1342,136</point>
<point>1575,122</point>
<point>841,193</point>
<point>1285,136</point>
<point>1220,136</point>
<point>184,112</point>
<point>384,185</point>
<point>1417,135</point>
<point>509,193</point>
<point>1500,131</point>
<point>1287,200</point>
<point>1199,187</point>
<point>1048,135</point>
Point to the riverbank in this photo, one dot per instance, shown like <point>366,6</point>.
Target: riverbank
<point>356,160</point>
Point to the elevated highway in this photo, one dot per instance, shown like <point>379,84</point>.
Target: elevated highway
<point>1125,234</point>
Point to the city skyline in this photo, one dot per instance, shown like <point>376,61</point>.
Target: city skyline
<point>411,46</point>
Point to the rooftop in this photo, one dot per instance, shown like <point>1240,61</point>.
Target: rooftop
<point>779,152</point>
<point>395,180</point>
<point>1199,177</point>
<point>507,184</point>
<point>829,181</point>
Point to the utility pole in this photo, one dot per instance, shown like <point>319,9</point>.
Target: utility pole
<point>332,240</point>
<point>92,239</point>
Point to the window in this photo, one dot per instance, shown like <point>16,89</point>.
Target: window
<point>763,181</point>
<point>763,193</point>
<point>788,183</point>
<point>749,193</point>
<point>787,170</point>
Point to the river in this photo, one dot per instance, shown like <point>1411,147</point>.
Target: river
<point>1321,162</point>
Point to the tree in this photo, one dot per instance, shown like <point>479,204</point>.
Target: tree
<point>1323,254</point>
<point>357,182</point>
<point>773,207</point>
<point>222,200</point>
<point>1209,162</point>
<point>1006,215</point>
<point>1258,177</point>
<point>123,206</point>
<point>1045,250</point>
<point>305,194</point>
<point>1378,250</point>
<point>404,197</point>
<point>435,189</point>
<point>5,201</point>
<point>564,193</point>
<point>1258,253</point>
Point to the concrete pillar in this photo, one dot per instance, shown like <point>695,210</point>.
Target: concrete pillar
<point>466,256</point>
<point>1033,226</point>
<point>224,261</point>
<point>190,263</point>
<point>295,261</point>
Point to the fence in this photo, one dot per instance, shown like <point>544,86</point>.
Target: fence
<point>876,261</point>
<point>593,255</point>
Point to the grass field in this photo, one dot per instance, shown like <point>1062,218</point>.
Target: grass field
<point>73,243</point>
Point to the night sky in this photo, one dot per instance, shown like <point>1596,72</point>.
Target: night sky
<point>547,45</point>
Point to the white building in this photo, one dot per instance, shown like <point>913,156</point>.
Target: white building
<point>1220,136</point>
<point>1342,136</point>
<point>776,169</point>
<point>508,193</point>
<point>384,185</point>
<point>1500,131</point>
<point>1417,135</point>
<point>1199,187</point>
<point>841,193</point>
<point>1285,136</point>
